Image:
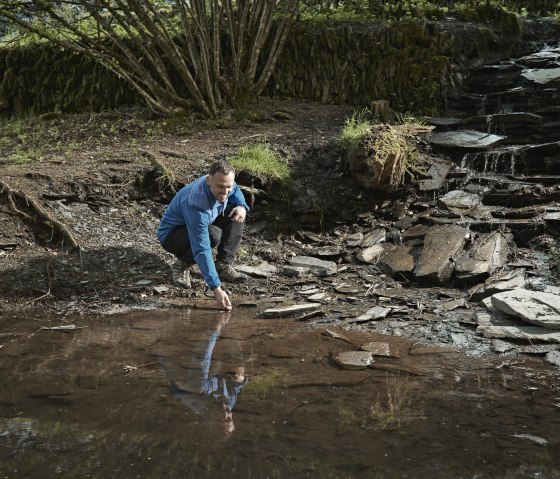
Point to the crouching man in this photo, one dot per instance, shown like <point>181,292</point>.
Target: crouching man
<point>210,211</point>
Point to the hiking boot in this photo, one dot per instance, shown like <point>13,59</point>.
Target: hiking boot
<point>227,273</point>
<point>181,274</point>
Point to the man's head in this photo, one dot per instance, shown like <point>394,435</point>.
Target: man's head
<point>220,179</point>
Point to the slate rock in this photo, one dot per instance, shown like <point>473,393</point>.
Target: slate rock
<point>533,307</point>
<point>378,348</point>
<point>318,266</point>
<point>400,261</point>
<point>488,252</point>
<point>527,333</point>
<point>458,200</point>
<point>442,244</point>
<point>291,310</point>
<point>553,357</point>
<point>353,359</point>
<point>469,139</point>
<point>373,253</point>
<point>264,270</point>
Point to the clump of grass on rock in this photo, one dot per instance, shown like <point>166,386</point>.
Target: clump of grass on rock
<point>380,156</point>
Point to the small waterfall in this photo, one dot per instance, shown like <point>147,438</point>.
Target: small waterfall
<point>492,162</point>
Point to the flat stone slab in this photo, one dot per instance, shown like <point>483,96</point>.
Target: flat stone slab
<point>378,348</point>
<point>533,307</point>
<point>264,270</point>
<point>295,271</point>
<point>488,252</point>
<point>528,333</point>
<point>400,260</point>
<point>442,244</point>
<point>470,139</point>
<point>460,200</point>
<point>328,251</point>
<point>377,312</point>
<point>353,359</point>
<point>543,75</point>
<point>374,253</point>
<point>498,282</point>
<point>354,240</point>
<point>416,232</point>
<point>438,173</point>
<point>288,311</point>
<point>318,266</point>
<point>553,357</point>
<point>374,237</point>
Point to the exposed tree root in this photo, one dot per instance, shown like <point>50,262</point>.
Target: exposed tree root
<point>13,195</point>
<point>166,180</point>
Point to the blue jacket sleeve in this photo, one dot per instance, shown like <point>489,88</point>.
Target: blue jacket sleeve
<point>197,222</point>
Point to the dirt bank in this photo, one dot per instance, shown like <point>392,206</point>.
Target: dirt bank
<point>91,174</point>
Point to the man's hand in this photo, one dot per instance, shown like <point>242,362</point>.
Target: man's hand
<point>238,214</point>
<point>222,299</point>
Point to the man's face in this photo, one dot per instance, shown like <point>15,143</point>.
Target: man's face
<point>220,185</point>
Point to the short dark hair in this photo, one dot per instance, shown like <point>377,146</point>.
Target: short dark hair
<point>221,166</point>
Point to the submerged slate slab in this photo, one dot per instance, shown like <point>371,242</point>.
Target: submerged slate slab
<point>353,359</point>
<point>533,307</point>
<point>442,244</point>
<point>318,266</point>
<point>378,348</point>
<point>465,139</point>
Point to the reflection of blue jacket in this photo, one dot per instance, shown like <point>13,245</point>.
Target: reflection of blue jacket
<point>196,207</point>
<point>200,384</point>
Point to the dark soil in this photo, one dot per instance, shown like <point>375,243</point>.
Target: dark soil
<point>93,174</point>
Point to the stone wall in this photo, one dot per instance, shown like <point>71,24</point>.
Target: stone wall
<point>409,63</point>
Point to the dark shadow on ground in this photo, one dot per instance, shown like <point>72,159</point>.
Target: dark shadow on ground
<point>106,274</point>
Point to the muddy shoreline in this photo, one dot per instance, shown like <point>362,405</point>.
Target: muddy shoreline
<point>105,191</point>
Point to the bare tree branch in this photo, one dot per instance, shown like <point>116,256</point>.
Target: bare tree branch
<point>172,54</point>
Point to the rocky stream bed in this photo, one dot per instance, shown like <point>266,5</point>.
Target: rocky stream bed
<point>465,258</point>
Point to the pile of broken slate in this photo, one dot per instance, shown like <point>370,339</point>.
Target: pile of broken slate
<point>449,270</point>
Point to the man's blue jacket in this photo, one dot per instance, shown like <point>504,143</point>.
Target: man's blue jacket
<point>195,207</point>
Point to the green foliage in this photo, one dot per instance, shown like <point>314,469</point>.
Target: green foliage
<point>261,161</point>
<point>366,10</point>
<point>355,130</point>
<point>408,118</point>
<point>217,54</point>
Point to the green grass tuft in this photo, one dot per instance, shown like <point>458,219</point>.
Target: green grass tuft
<point>261,161</point>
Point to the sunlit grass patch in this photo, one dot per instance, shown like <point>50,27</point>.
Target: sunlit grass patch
<point>356,129</point>
<point>261,161</point>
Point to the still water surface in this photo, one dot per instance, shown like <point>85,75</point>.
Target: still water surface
<point>197,393</point>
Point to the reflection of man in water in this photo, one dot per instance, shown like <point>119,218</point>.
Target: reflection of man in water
<point>209,395</point>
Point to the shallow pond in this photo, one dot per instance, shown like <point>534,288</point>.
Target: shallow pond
<point>198,393</point>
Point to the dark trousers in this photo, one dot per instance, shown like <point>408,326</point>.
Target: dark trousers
<point>224,233</point>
